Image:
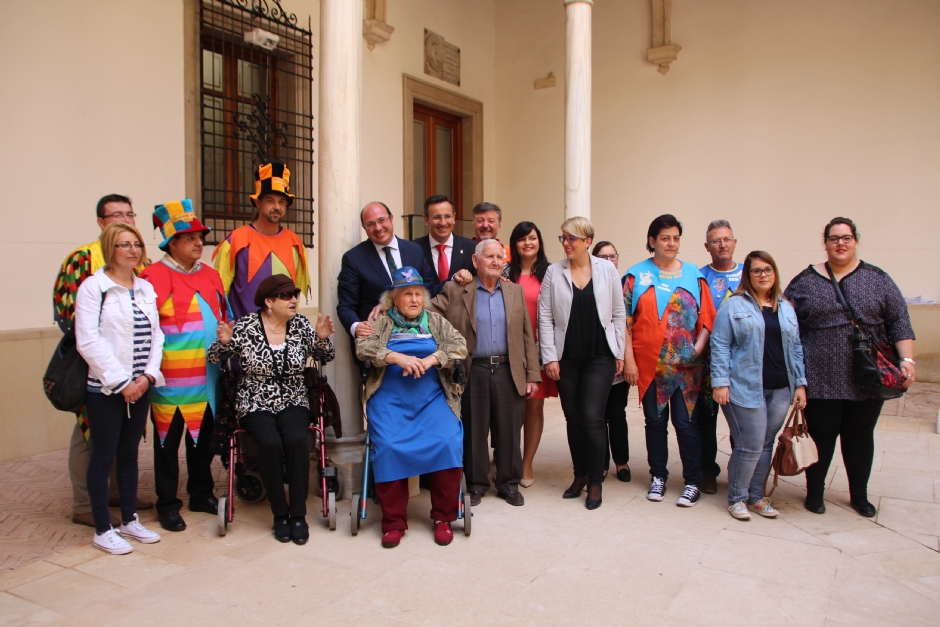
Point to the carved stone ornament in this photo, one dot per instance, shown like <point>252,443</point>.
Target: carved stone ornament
<point>441,59</point>
<point>663,51</point>
<point>374,28</point>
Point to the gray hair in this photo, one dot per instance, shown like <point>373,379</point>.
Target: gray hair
<point>387,299</point>
<point>718,224</point>
<point>481,245</point>
<point>483,207</point>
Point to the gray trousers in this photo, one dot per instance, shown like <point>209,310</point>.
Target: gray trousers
<point>79,456</point>
<point>491,403</point>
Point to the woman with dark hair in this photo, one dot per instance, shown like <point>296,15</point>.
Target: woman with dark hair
<point>757,370</point>
<point>837,406</point>
<point>527,268</point>
<point>616,412</point>
<point>669,316</point>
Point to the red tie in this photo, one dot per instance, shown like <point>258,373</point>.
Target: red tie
<point>443,268</point>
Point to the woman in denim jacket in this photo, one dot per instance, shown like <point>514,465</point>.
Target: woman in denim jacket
<point>757,370</point>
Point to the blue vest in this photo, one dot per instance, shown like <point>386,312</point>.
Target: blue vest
<point>649,276</point>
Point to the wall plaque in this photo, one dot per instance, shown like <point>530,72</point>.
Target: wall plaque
<point>441,59</point>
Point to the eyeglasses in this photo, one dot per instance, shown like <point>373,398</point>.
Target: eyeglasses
<point>613,257</point>
<point>380,222</point>
<point>118,214</point>
<point>765,271</point>
<point>725,240</point>
<point>128,246</point>
<point>571,239</point>
<point>846,239</point>
<point>288,295</point>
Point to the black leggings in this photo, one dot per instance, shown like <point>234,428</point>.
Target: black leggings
<point>283,438</point>
<point>116,434</point>
<point>854,422</point>
<point>583,387</point>
<point>616,417</point>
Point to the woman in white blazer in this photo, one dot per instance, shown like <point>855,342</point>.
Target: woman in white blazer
<point>117,331</point>
<point>582,323</point>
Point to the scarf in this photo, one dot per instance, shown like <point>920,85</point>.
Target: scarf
<point>418,326</point>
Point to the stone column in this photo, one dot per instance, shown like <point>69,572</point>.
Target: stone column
<point>340,90</point>
<point>578,108</point>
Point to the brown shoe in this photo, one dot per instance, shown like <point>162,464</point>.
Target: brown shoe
<point>143,503</point>
<point>709,485</point>
<point>86,518</point>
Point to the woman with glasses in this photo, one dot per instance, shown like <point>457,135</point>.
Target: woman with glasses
<point>117,331</point>
<point>837,406</point>
<point>616,413</point>
<point>669,317</point>
<point>581,340</point>
<point>272,404</point>
<point>756,370</point>
<point>527,267</point>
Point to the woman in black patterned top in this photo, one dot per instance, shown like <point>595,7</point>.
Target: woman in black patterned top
<point>837,406</point>
<point>272,405</point>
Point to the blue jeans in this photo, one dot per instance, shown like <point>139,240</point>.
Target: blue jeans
<point>754,431</point>
<point>687,434</point>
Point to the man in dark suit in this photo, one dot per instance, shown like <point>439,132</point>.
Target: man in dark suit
<point>503,370</point>
<point>449,254</point>
<point>368,268</point>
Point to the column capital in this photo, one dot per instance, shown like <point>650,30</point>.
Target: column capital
<point>567,2</point>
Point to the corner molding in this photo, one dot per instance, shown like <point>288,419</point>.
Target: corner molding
<point>663,51</point>
<point>374,28</point>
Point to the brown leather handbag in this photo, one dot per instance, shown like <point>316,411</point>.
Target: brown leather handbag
<point>796,450</point>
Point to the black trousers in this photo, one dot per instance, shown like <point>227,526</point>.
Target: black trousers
<point>616,417</point>
<point>118,427</point>
<point>854,422</point>
<point>687,435</point>
<point>707,416</point>
<point>281,438</point>
<point>166,465</point>
<point>491,403</point>
<point>583,387</point>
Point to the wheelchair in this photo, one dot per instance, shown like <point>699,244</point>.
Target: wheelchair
<point>244,480</point>
<point>358,510</point>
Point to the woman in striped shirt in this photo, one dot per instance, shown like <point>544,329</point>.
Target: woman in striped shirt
<point>117,330</point>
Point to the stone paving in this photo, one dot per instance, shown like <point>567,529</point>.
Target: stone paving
<point>631,562</point>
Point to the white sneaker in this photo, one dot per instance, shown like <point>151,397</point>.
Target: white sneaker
<point>689,497</point>
<point>657,489</point>
<point>137,531</point>
<point>111,542</point>
<point>739,511</point>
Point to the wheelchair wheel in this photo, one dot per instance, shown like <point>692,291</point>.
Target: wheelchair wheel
<point>249,488</point>
<point>331,505</point>
<point>467,514</point>
<point>354,513</point>
<point>223,515</point>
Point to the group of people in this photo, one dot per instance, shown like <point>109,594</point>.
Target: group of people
<point>691,340</point>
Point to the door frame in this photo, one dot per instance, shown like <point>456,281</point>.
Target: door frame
<point>471,113</point>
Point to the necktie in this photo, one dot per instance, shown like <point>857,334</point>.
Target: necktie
<point>392,268</point>
<point>443,268</point>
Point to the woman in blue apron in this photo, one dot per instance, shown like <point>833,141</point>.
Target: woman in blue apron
<point>413,406</point>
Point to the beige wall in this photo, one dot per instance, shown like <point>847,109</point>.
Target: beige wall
<point>777,115</point>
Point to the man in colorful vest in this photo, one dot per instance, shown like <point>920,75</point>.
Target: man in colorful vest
<point>253,252</point>
<point>80,264</point>
<point>191,302</point>
<point>723,276</point>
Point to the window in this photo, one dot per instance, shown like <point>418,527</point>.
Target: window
<point>255,105</point>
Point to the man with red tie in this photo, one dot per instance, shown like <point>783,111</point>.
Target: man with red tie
<point>450,255</point>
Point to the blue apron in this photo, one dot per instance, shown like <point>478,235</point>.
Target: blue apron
<point>412,428</point>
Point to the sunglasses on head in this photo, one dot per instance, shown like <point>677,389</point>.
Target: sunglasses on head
<point>288,295</point>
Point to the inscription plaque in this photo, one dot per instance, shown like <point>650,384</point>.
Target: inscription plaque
<point>441,59</point>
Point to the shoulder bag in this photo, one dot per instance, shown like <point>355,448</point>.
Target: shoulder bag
<point>66,379</point>
<point>876,367</point>
<point>796,450</point>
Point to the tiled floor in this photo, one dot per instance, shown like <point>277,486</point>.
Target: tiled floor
<point>551,562</point>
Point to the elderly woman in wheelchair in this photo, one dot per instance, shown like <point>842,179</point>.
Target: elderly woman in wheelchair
<point>413,405</point>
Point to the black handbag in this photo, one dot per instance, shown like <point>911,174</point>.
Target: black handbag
<point>876,367</point>
<point>66,380</point>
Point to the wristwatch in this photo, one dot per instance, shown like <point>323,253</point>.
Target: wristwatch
<point>908,359</point>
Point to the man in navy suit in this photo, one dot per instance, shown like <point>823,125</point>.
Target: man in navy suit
<point>450,255</point>
<point>367,269</point>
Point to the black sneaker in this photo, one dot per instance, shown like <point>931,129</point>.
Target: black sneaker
<point>689,496</point>
<point>657,489</point>
<point>282,528</point>
<point>299,531</point>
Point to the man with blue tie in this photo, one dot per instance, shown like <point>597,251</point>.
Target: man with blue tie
<point>368,268</point>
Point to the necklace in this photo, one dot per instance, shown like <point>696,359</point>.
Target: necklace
<point>271,327</point>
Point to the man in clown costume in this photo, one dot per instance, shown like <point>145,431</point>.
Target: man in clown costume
<point>191,301</point>
<point>253,252</point>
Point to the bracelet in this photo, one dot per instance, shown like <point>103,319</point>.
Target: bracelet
<point>909,360</point>
<point>150,379</point>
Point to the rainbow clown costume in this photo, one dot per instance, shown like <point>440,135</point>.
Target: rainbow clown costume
<point>248,256</point>
<point>191,302</point>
